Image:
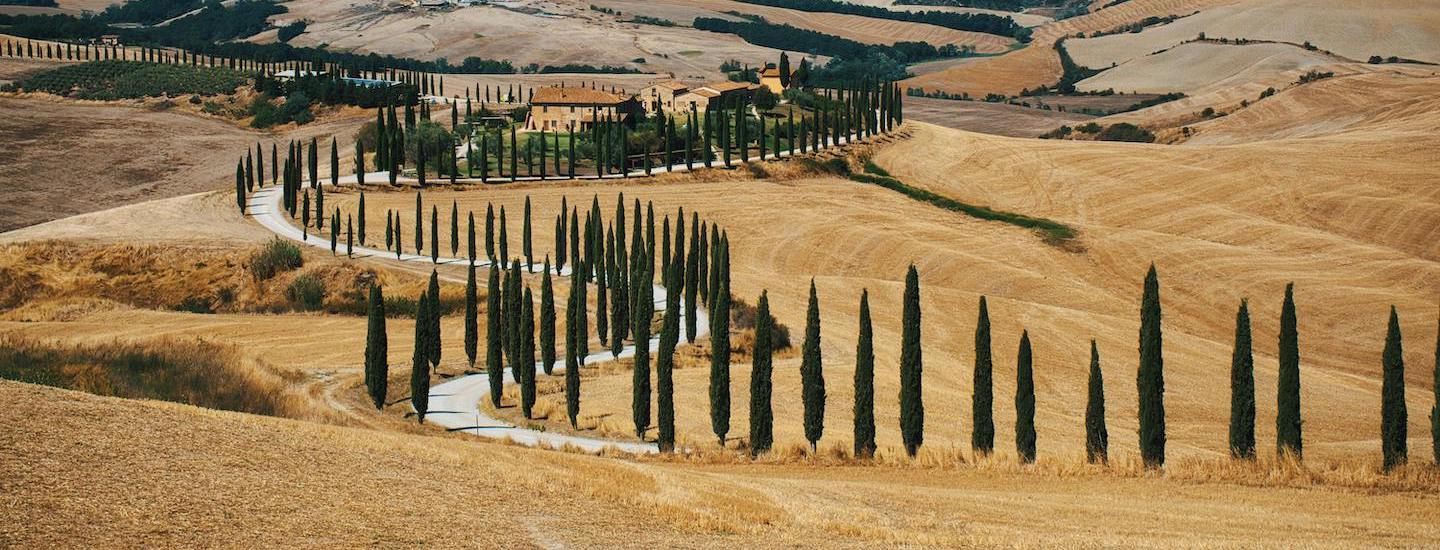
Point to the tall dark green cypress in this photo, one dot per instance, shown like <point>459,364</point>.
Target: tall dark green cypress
<point>454,228</point>
<point>420,360</point>
<point>665,363</point>
<point>1288,437</point>
<point>434,319</point>
<point>360,219</point>
<point>1394,418</point>
<point>641,317</point>
<point>692,267</point>
<point>1097,437</point>
<point>1150,377</point>
<point>761,414</point>
<point>490,232</point>
<point>720,353</point>
<point>1024,402</point>
<point>377,349</point>
<point>504,239</point>
<point>514,293</point>
<point>334,162</point>
<point>527,353</point>
<point>472,313</point>
<point>1435,407</point>
<point>982,401</point>
<point>1242,388</point>
<point>419,226</point>
<point>812,375</point>
<point>574,311</point>
<point>912,408</point>
<point>865,383</point>
<point>547,321</point>
<point>434,234</point>
<point>470,238</point>
<point>525,243</point>
<point>494,351</point>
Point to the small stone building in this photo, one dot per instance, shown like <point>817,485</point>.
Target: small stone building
<point>560,108</point>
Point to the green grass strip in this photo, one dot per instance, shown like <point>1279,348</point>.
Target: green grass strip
<point>878,176</point>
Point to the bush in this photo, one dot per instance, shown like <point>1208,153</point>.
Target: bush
<point>275,257</point>
<point>1125,131</point>
<point>306,292</point>
<point>1089,128</point>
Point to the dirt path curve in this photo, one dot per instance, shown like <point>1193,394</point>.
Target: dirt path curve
<point>455,404</point>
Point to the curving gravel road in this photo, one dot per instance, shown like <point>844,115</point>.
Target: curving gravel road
<point>455,404</point>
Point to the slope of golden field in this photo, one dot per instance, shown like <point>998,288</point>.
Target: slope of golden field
<point>93,471</point>
<point>1037,64</point>
<point>1404,28</point>
<point>1197,67</point>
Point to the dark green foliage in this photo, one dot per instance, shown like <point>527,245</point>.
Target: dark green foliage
<point>692,266</point>
<point>912,409</point>
<point>472,313</point>
<point>470,239</point>
<point>574,312</point>
<point>525,246</point>
<point>433,321</point>
<point>643,313</point>
<point>1097,437</point>
<point>865,384</point>
<point>1435,409</point>
<point>490,232</point>
<point>1024,402</point>
<point>547,321</point>
<point>1051,229</point>
<point>1288,436</point>
<point>1150,378</point>
<point>976,22</point>
<point>360,217</point>
<point>665,362</point>
<point>527,354</point>
<point>419,226</point>
<point>1394,427</point>
<point>720,345</point>
<point>1125,131</point>
<point>275,257</point>
<point>982,401</point>
<point>420,360</point>
<point>504,243</point>
<point>434,234</point>
<point>761,414</point>
<point>812,376</point>
<point>494,350</point>
<point>1242,389</point>
<point>454,228</point>
<point>377,368</point>
<point>114,79</point>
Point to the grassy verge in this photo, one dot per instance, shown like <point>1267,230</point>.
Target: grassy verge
<point>1053,230</point>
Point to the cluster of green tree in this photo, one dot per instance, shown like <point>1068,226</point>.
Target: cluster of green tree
<point>265,113</point>
<point>288,32</point>
<point>33,3</point>
<point>873,66</point>
<point>582,68</point>
<point>1137,26</point>
<point>1125,131</point>
<point>648,20</point>
<point>114,79</point>
<point>974,22</point>
<point>333,89</point>
<point>786,37</point>
<point>1000,5</point>
<point>1071,71</point>
<point>1050,229</point>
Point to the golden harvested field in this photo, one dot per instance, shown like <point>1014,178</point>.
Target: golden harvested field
<point>88,477</point>
<point>1202,66</point>
<point>1037,64</point>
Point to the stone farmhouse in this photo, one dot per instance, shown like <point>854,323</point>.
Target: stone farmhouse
<point>560,108</point>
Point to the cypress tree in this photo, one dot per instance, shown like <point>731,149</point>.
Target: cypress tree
<point>305,217</point>
<point>720,358</point>
<point>470,238</point>
<point>865,383</point>
<point>665,363</point>
<point>504,243</point>
<point>434,234</point>
<point>240,188</point>
<point>1242,389</point>
<point>1097,438</point>
<point>349,237</point>
<point>574,311</point>
<point>490,232</point>
<point>1024,402</point>
<point>454,228</point>
<point>494,354</point>
<point>525,246</point>
<point>1150,378</point>
<point>334,229</point>
<point>692,268</point>
<point>360,218</point>
<point>434,319</point>
<point>419,226</point>
<point>1394,419</point>
<point>602,326</point>
<point>334,162</point>
<point>472,313</point>
<point>359,163</point>
<point>319,208</point>
<point>513,337</point>
<point>1288,437</point>
<point>420,362</point>
<point>912,408</point>
<point>399,244</point>
<point>527,354</point>
<point>377,375</point>
<point>812,375</point>
<point>547,321</point>
<point>982,437</point>
<point>640,383</point>
<point>761,414</point>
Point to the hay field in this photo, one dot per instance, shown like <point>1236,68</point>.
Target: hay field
<point>89,477</point>
<point>1037,64</point>
<point>1201,66</point>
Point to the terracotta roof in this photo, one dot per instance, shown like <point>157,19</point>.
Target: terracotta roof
<point>770,72</point>
<point>723,87</point>
<point>576,96</point>
<point>672,84</point>
<point>704,92</point>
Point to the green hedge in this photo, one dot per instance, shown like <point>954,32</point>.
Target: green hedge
<point>878,176</point>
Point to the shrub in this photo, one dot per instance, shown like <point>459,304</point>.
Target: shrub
<point>1125,131</point>
<point>114,79</point>
<point>275,257</point>
<point>307,292</point>
<point>1089,128</point>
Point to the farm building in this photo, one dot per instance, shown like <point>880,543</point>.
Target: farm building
<point>559,108</point>
<point>770,78</point>
<point>713,95</point>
